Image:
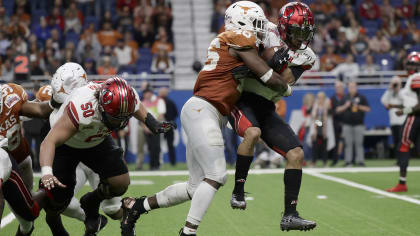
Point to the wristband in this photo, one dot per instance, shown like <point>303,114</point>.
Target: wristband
<point>267,76</point>
<point>288,91</point>
<point>407,110</point>
<point>151,123</point>
<point>46,170</point>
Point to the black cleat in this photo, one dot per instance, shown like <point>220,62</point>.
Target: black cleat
<point>294,222</point>
<point>181,233</point>
<point>94,226</point>
<point>131,215</point>
<point>19,233</point>
<point>238,201</point>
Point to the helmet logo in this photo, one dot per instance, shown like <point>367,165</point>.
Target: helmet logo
<point>245,9</point>
<point>107,97</point>
<point>62,90</point>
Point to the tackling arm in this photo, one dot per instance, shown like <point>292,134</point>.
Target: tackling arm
<point>260,68</point>
<point>36,109</point>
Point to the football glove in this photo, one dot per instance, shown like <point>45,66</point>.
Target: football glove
<point>158,127</point>
<point>279,58</point>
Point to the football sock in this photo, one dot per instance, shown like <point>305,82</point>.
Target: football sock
<point>94,199</point>
<point>243,164</point>
<point>74,210</point>
<point>200,202</point>
<point>55,224</point>
<point>402,180</point>
<point>292,180</point>
<point>173,195</point>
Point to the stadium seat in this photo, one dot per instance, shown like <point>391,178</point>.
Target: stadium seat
<point>89,20</point>
<point>72,36</point>
<point>385,61</point>
<point>360,59</point>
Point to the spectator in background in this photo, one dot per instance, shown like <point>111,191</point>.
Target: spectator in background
<point>319,15</point>
<point>162,42</point>
<point>7,71</point>
<point>4,43</point>
<point>86,6</point>
<point>143,34</point>
<point>400,59</point>
<point>170,115</point>
<point>162,63</point>
<point>343,45</point>
<point>379,43</point>
<point>57,43</point>
<point>405,10</point>
<point>89,66</point>
<point>218,17</point>
<point>56,19</point>
<point>156,106</point>
<point>20,45</point>
<point>162,17</point>
<point>369,10</point>
<point>108,36</point>
<point>143,11</point>
<point>335,101</point>
<point>308,102</point>
<point>125,19</point>
<point>107,51</point>
<point>369,67</point>
<point>393,101</point>
<point>348,69</point>
<point>35,67</point>
<point>353,108</point>
<point>141,139</point>
<point>88,47</point>
<point>329,60</point>
<point>361,45</point>
<point>329,8</point>
<point>42,31</point>
<point>107,68</point>
<point>131,4</point>
<point>128,40</point>
<point>353,31</point>
<point>319,124</point>
<point>22,16</point>
<point>387,10</point>
<point>125,54</point>
<point>72,19</point>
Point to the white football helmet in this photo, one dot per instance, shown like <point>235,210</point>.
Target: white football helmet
<point>67,77</point>
<point>246,15</point>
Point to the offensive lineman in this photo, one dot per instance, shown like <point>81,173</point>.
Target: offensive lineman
<point>411,107</point>
<point>254,115</point>
<point>204,114</point>
<point>80,133</point>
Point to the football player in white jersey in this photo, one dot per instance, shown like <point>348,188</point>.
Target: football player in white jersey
<point>411,107</point>
<point>254,116</point>
<point>81,133</point>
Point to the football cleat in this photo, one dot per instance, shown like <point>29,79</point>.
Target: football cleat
<point>19,233</point>
<point>181,233</point>
<point>131,215</point>
<point>294,222</point>
<point>93,226</point>
<point>398,188</point>
<point>238,201</point>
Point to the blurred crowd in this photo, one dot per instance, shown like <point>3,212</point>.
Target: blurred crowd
<point>364,36</point>
<point>107,37</point>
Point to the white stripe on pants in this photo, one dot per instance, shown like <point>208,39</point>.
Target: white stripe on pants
<point>353,137</point>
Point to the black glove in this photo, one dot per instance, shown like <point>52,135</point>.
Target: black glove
<point>242,72</point>
<point>279,58</point>
<point>158,127</point>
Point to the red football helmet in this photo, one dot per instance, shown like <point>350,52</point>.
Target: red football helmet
<point>117,102</point>
<point>296,25</point>
<point>412,64</point>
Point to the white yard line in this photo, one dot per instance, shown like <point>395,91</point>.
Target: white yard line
<point>364,187</point>
<point>7,220</point>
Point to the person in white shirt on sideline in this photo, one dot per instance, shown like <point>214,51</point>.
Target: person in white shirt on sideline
<point>393,100</point>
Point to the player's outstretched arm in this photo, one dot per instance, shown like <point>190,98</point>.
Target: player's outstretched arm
<point>36,109</point>
<point>63,130</point>
<point>260,68</point>
<point>154,125</point>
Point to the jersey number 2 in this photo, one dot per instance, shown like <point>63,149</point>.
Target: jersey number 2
<point>87,110</point>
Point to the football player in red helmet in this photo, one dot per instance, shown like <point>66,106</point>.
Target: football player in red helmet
<point>296,25</point>
<point>81,133</point>
<point>254,115</point>
<point>411,107</point>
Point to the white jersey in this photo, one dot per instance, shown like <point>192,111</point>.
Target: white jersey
<point>408,95</point>
<point>83,109</point>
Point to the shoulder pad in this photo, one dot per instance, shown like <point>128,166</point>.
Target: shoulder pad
<point>239,39</point>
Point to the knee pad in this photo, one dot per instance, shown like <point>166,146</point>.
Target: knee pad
<point>173,195</point>
<point>111,206</point>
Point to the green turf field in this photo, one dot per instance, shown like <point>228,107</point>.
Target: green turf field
<point>337,208</point>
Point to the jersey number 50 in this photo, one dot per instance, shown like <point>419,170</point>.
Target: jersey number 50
<point>87,110</point>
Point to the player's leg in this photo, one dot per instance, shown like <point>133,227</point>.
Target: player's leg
<point>25,169</point>
<point>104,159</point>
<point>409,133</point>
<point>172,195</point>
<point>244,122</point>
<point>280,137</point>
<point>74,210</point>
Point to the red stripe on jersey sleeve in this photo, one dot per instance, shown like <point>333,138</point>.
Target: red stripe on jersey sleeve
<point>72,113</point>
